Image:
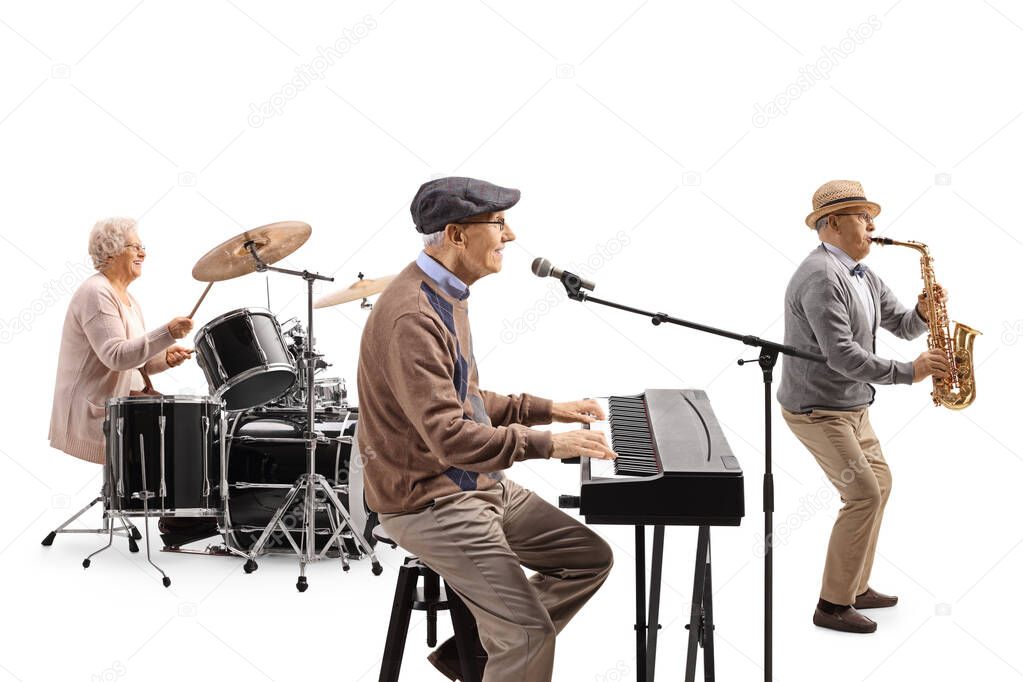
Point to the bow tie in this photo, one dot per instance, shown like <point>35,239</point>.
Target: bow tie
<point>859,271</point>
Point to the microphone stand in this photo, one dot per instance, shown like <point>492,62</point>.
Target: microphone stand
<point>769,351</point>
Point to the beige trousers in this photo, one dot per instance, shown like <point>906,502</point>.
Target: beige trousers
<point>479,541</point>
<point>846,448</point>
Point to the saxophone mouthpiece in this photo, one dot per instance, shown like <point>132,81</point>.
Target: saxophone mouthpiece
<point>885,241</point>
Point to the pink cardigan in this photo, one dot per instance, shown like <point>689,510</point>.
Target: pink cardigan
<point>96,363</point>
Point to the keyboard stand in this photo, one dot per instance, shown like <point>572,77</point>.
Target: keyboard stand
<point>701,618</point>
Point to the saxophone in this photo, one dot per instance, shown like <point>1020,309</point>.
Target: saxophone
<point>958,389</point>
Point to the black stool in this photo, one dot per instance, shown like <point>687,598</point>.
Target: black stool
<point>431,597</point>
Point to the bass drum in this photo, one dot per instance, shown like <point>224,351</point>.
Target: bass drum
<point>267,455</point>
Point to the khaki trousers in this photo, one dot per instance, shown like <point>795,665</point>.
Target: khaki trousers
<point>846,448</point>
<point>478,541</point>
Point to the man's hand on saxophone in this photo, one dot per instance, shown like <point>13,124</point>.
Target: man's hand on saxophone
<point>930,362</point>
<point>921,301</point>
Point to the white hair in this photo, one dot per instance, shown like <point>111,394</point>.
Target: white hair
<point>108,239</point>
<point>434,238</point>
<point>821,222</point>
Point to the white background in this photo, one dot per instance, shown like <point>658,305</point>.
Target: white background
<point>626,122</point>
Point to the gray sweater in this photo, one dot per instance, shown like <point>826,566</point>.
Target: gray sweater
<point>824,315</point>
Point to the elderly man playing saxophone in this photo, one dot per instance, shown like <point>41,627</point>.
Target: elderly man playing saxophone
<point>834,306</point>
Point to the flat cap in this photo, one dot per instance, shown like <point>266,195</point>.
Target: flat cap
<point>448,200</point>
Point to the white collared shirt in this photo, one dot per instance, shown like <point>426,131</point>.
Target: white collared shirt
<point>453,287</point>
<point>859,284</point>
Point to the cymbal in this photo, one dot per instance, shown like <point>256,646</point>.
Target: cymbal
<point>360,288</point>
<point>232,258</point>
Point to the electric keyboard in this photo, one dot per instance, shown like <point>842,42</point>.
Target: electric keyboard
<point>674,465</point>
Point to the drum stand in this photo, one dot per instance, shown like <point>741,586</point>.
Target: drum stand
<point>145,496</point>
<point>310,483</point>
<point>128,529</point>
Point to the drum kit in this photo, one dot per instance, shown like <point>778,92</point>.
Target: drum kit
<point>236,455</point>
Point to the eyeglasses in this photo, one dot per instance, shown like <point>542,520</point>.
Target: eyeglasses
<point>137,247</point>
<point>499,221</point>
<point>862,215</point>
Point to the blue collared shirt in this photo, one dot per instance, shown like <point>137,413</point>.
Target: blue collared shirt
<point>445,279</point>
<point>859,283</point>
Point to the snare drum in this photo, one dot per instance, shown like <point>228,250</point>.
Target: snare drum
<point>243,355</point>
<point>163,454</point>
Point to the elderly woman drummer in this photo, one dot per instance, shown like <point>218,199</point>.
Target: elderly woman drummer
<point>105,343</point>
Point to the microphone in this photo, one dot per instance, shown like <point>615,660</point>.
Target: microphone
<point>543,268</point>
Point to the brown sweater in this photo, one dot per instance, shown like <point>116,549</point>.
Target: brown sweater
<point>425,428</point>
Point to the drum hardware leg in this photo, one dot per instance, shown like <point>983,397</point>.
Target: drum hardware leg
<point>145,495</point>
<point>359,539</point>
<point>133,546</point>
<point>309,527</point>
<point>307,552</point>
<point>335,538</point>
<point>149,557</point>
<point>291,539</point>
<point>87,561</point>
<point>48,540</point>
<point>257,548</point>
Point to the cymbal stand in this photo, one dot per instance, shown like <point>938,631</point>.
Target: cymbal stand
<point>310,483</point>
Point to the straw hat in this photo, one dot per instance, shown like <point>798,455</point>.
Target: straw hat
<point>835,195</point>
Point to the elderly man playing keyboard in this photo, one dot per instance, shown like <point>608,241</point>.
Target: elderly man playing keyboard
<point>435,445</point>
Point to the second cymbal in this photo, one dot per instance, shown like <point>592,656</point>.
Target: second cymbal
<point>360,288</point>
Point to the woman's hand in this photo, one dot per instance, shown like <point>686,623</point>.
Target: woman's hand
<point>179,326</point>
<point>177,354</point>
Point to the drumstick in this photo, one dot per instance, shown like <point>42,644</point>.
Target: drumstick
<point>199,302</point>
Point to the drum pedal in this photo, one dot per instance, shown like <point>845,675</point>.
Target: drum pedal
<point>210,550</point>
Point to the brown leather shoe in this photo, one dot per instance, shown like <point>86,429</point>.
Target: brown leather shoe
<point>846,620</point>
<point>874,600</point>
